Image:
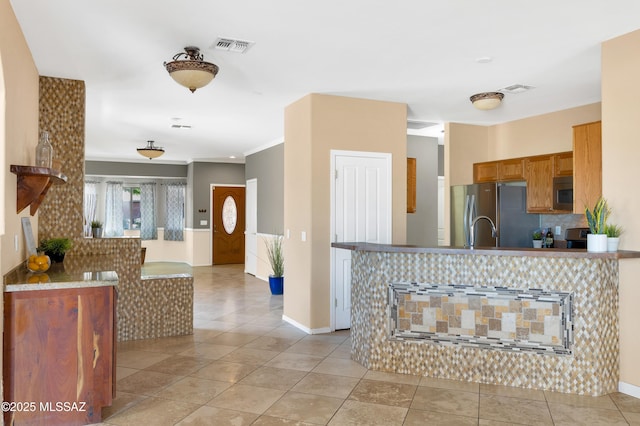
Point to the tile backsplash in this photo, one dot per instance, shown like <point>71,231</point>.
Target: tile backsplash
<point>563,220</point>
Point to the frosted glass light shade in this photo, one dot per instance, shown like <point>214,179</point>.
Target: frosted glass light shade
<point>192,72</point>
<point>487,101</point>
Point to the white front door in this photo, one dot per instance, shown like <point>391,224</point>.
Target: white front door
<point>361,213</point>
<point>251,230</point>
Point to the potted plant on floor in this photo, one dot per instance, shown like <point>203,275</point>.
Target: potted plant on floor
<point>276,259</point>
<point>597,221</point>
<point>96,229</point>
<point>613,236</point>
<point>55,248</point>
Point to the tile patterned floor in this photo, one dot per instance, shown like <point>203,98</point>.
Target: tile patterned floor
<point>244,366</point>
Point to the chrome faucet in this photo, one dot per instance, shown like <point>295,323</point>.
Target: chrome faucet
<point>472,235</point>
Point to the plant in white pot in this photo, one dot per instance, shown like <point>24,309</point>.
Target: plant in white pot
<point>96,229</point>
<point>276,259</point>
<point>597,221</point>
<point>537,239</point>
<point>613,236</point>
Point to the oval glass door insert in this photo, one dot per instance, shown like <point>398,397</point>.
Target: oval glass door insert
<point>229,214</point>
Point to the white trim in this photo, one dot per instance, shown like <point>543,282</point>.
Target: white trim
<point>629,389</point>
<point>268,145</point>
<point>307,330</point>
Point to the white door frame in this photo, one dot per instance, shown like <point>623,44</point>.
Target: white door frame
<point>250,265</point>
<point>336,153</point>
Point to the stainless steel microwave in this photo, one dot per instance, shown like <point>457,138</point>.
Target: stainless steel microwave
<point>563,193</point>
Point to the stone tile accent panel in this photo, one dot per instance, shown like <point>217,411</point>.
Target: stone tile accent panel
<point>592,368</point>
<point>483,317</point>
<point>62,115</point>
<point>155,308</point>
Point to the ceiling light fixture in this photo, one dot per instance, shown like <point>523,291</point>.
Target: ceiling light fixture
<point>487,100</point>
<point>192,72</point>
<point>151,151</point>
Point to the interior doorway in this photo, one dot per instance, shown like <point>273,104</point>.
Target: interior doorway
<point>228,224</point>
<point>361,211</point>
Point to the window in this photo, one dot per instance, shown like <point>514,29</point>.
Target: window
<point>131,207</point>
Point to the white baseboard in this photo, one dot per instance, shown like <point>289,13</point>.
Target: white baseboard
<point>304,328</point>
<point>629,389</point>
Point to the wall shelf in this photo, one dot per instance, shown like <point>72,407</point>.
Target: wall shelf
<point>33,184</point>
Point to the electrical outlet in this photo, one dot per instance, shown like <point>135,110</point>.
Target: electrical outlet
<point>558,230</point>
<point>16,243</point>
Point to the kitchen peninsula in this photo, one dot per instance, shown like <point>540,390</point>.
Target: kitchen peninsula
<point>537,319</point>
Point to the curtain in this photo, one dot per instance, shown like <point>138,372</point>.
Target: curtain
<point>174,226</point>
<point>113,223</point>
<point>148,226</point>
<point>90,205</point>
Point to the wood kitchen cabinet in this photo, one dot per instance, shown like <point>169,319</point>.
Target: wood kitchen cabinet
<point>563,164</point>
<point>539,171</point>
<point>485,172</point>
<point>59,353</point>
<point>587,165</point>
<point>411,185</point>
<point>511,170</point>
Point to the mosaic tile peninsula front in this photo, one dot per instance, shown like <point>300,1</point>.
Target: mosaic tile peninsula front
<point>584,362</point>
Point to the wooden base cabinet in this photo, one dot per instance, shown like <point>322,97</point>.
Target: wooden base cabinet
<point>59,355</point>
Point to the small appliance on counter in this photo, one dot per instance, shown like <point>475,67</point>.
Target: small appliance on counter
<point>576,238</point>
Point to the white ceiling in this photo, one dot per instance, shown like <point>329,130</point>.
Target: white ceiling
<point>420,52</point>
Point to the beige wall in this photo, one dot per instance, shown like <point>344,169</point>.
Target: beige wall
<point>314,126</point>
<point>620,153</point>
<point>20,134</point>
<point>542,134</point>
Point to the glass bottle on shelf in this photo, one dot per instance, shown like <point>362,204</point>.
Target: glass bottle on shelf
<point>44,151</point>
<point>549,239</point>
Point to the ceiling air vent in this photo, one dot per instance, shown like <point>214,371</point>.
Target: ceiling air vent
<point>516,88</point>
<point>232,45</point>
<point>180,126</point>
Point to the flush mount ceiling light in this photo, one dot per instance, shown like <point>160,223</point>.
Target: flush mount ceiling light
<point>191,72</point>
<point>151,151</point>
<point>487,100</point>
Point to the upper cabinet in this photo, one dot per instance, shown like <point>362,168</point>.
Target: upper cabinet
<point>539,171</point>
<point>485,172</point>
<point>563,164</point>
<point>511,170</point>
<point>587,165</point>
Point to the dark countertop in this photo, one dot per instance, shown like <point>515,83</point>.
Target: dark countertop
<point>74,272</point>
<point>487,251</point>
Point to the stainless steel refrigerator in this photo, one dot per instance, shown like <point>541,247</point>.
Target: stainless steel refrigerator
<point>504,203</point>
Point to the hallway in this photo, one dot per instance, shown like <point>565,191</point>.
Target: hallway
<point>244,365</point>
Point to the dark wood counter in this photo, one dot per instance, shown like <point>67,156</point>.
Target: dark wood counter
<point>486,251</point>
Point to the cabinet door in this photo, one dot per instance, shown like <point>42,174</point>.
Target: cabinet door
<point>411,185</point>
<point>587,173</point>
<point>511,170</point>
<point>485,172</point>
<point>563,164</point>
<point>539,184</point>
<point>58,346</point>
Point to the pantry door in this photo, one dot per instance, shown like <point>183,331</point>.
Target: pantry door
<point>361,212</point>
<point>228,224</point>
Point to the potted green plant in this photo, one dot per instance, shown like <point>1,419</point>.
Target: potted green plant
<point>537,239</point>
<point>276,259</point>
<point>613,236</point>
<point>597,221</point>
<point>55,248</point>
<point>96,229</point>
